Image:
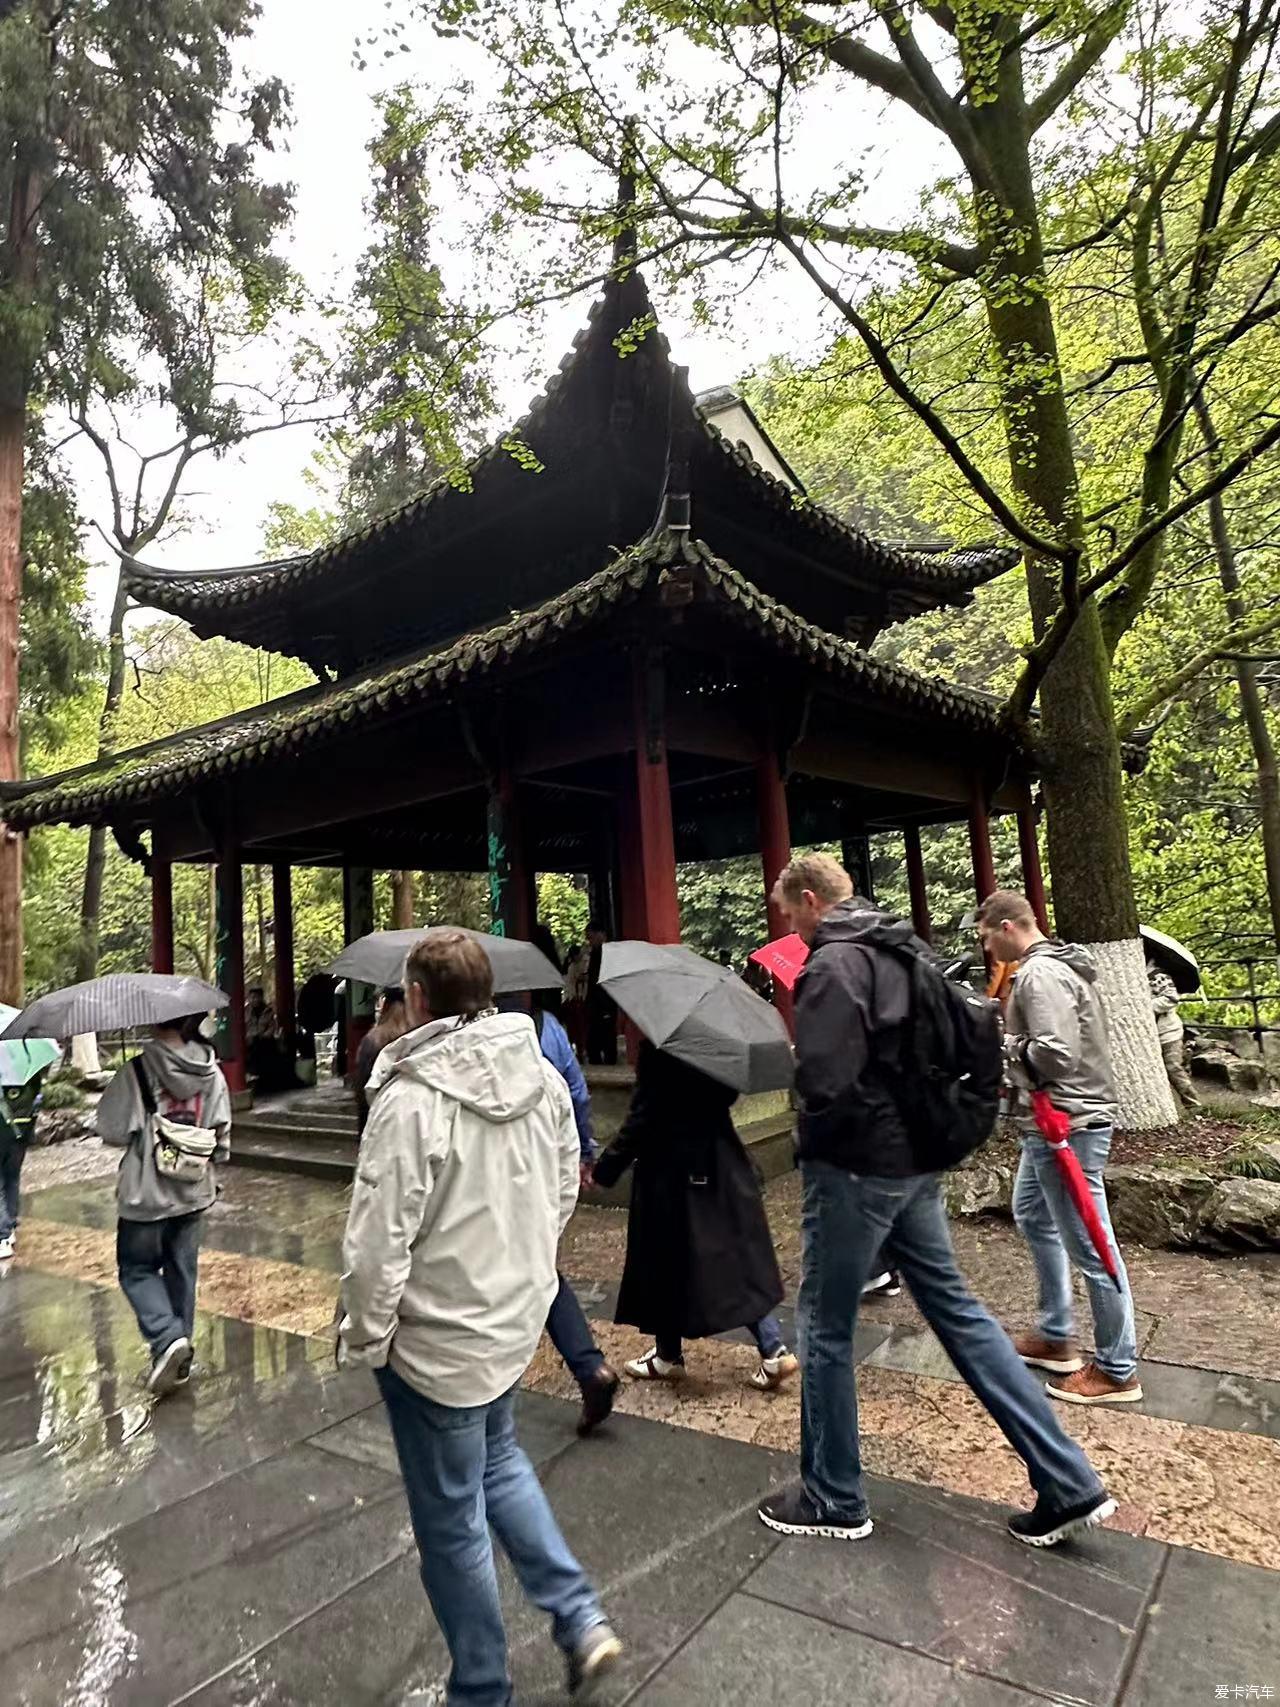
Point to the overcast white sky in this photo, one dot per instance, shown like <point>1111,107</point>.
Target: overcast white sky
<point>310,44</point>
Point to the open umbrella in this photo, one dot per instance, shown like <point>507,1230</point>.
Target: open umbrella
<point>701,1013</point>
<point>118,1002</point>
<point>379,959</point>
<point>22,1061</point>
<point>1056,1130</point>
<point>1172,957</point>
<point>784,957</point>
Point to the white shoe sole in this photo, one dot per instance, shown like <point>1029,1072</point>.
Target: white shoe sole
<point>828,1532</point>
<point>1130,1396</point>
<point>764,1382</point>
<point>643,1373</point>
<point>1055,1365</point>
<point>164,1377</point>
<point>595,1669</point>
<point>1098,1515</point>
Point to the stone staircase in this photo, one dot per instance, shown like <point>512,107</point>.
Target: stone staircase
<point>314,1131</point>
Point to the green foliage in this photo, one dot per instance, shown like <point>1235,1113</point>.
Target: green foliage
<point>563,908</point>
<point>60,1093</point>
<point>57,642</point>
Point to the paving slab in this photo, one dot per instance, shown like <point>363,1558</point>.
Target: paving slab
<point>941,1576</point>
<point>753,1652</point>
<point>1213,1625</point>
<point>156,1608</point>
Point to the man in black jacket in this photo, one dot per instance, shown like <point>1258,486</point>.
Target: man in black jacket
<point>866,1194</point>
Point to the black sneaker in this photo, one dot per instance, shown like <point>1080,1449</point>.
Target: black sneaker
<point>598,1395</point>
<point>168,1367</point>
<point>1046,1525</point>
<point>792,1512</point>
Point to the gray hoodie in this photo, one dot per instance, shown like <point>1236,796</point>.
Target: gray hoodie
<point>186,1075</point>
<point>1056,1036</point>
<point>468,1172</point>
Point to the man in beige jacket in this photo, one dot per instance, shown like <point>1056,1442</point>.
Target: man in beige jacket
<point>468,1173</point>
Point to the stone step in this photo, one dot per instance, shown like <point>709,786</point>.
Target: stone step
<point>320,1156</point>
<point>269,1119</point>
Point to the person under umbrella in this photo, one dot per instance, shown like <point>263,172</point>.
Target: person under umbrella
<point>169,1110</point>
<point>700,1260</point>
<point>22,1070</point>
<point>392,1022</point>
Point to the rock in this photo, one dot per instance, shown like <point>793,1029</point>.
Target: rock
<point>63,1125</point>
<point>983,1188</point>
<point>1158,1206</point>
<point>1268,1099</point>
<point>1243,1043</point>
<point>1243,1212</point>
<point>1219,1066</point>
<point>1271,1052</point>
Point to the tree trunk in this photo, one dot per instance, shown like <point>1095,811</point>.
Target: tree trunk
<point>95,862</point>
<point>1080,750</point>
<point>13,421</point>
<point>1252,702</point>
<point>403,900</point>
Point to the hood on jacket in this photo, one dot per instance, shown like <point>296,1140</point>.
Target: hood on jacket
<point>184,1070</point>
<point>859,920</point>
<point>492,1065</point>
<point>1069,953</point>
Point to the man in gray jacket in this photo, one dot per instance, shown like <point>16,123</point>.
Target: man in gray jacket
<point>1056,1041</point>
<point>468,1173</point>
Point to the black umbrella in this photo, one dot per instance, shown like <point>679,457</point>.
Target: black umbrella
<point>379,959</point>
<point>701,1013</point>
<point>118,1002</point>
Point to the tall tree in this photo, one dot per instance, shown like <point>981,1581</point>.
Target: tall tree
<point>127,163</point>
<point>740,153</point>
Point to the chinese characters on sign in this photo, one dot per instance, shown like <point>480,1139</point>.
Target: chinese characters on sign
<point>1244,1692</point>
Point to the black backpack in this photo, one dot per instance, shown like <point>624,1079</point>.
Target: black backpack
<point>951,1067</point>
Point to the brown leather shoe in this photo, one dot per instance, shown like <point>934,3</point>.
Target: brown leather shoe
<point>1059,1357</point>
<point>598,1395</point>
<point>1093,1386</point>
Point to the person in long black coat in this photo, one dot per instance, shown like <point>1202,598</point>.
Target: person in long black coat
<point>700,1259</point>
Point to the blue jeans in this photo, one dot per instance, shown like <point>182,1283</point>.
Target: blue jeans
<point>767,1333</point>
<point>156,1262</point>
<point>13,1152</point>
<point>851,1225</point>
<point>1053,1229</point>
<point>570,1334</point>
<point>464,1474</point>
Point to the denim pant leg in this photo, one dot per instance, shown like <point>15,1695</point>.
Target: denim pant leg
<point>1115,1336</point>
<point>140,1265</point>
<point>181,1257</point>
<point>842,1240</point>
<point>13,1152</point>
<point>529,1535</point>
<point>767,1333</point>
<point>1036,1223</point>
<point>570,1333</point>
<point>983,1352</point>
<point>442,1459</point>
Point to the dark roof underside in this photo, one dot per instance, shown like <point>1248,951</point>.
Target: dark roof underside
<point>164,769</point>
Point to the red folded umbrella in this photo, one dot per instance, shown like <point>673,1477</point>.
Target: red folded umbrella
<point>1056,1130</point>
<point>784,957</point>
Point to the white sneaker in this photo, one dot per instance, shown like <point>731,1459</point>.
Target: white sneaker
<point>886,1285</point>
<point>651,1367</point>
<point>773,1371</point>
<point>8,1248</point>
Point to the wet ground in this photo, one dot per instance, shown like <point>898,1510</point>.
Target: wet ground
<point>246,1542</point>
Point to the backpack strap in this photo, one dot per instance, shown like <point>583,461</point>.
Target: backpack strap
<point>144,1086</point>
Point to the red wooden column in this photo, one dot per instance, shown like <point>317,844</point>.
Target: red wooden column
<point>916,885</point>
<point>230,947</point>
<point>775,851</point>
<point>655,830</point>
<point>161,915</point>
<point>1032,875</point>
<point>984,865</point>
<point>282,935</point>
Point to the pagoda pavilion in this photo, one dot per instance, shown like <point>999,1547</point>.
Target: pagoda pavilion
<point>622,643</point>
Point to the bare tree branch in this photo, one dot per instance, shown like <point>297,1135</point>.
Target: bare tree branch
<point>1094,43</point>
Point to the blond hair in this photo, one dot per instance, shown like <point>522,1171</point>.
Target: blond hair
<point>818,872</point>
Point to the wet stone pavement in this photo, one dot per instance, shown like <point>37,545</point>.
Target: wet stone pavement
<point>246,1542</point>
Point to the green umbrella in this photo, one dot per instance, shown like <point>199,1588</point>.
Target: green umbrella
<point>22,1061</point>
